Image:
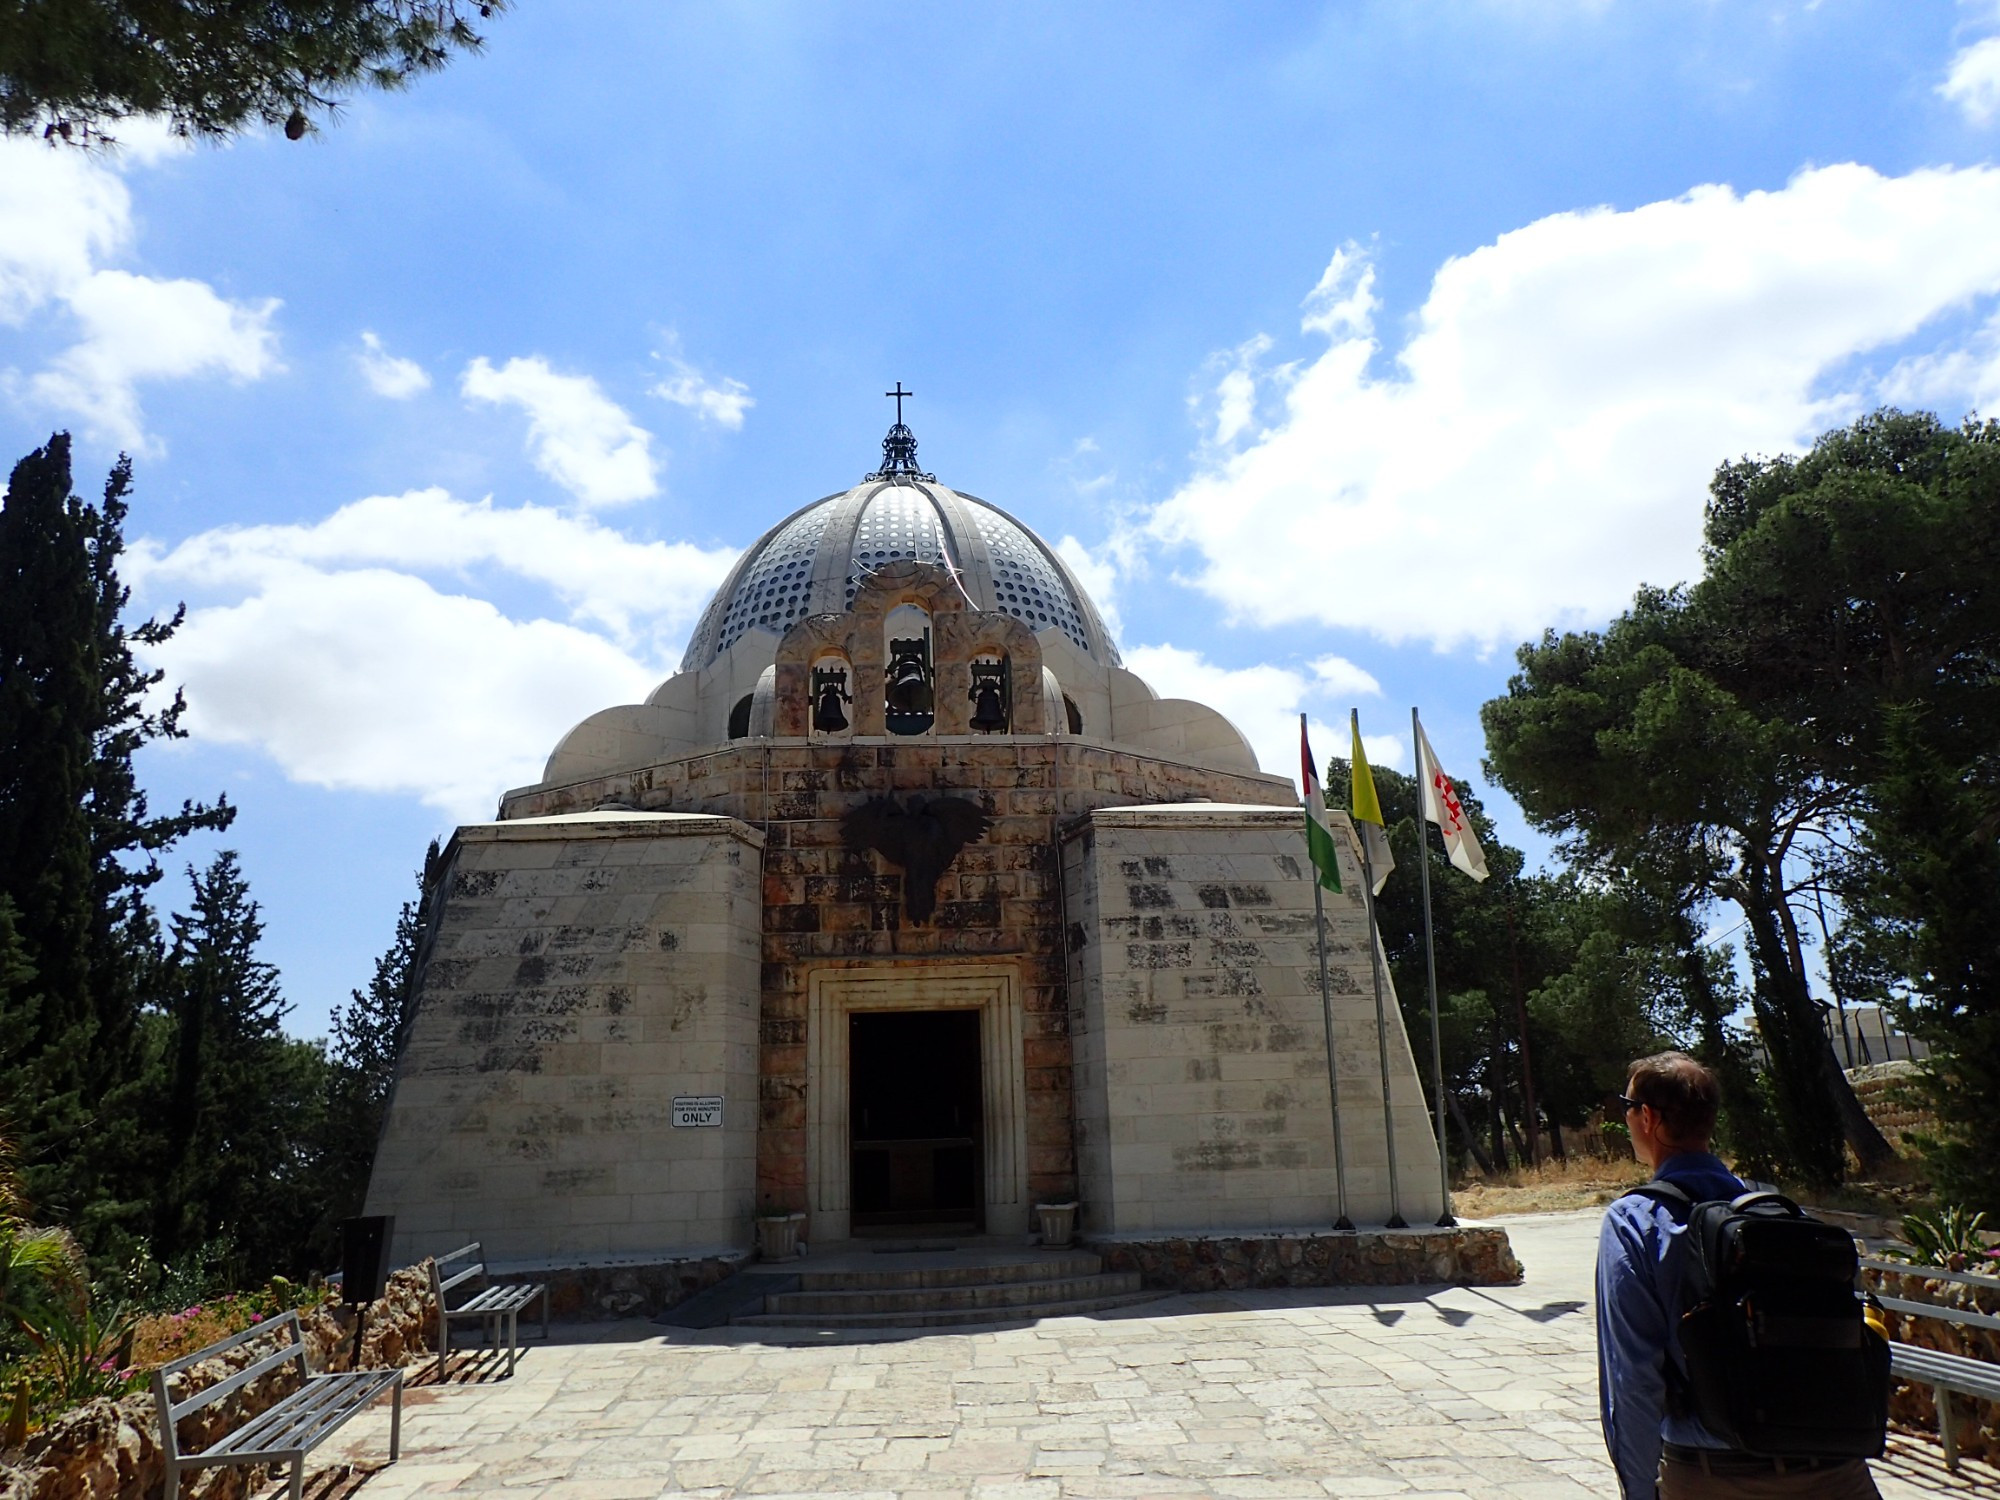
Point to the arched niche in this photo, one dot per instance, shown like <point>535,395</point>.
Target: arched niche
<point>830,695</point>
<point>909,670</point>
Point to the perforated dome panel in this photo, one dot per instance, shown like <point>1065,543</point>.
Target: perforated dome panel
<point>775,590</point>
<point>813,562</point>
<point>1025,583</point>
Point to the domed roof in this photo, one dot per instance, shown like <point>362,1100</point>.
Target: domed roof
<point>812,561</point>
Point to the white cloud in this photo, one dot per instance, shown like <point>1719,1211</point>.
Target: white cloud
<point>1973,83</point>
<point>577,435</point>
<point>722,402</point>
<point>1098,573</point>
<point>1265,701</point>
<point>357,654</point>
<point>388,374</point>
<point>1969,373</point>
<point>1340,678</point>
<point>62,214</point>
<point>1543,441</point>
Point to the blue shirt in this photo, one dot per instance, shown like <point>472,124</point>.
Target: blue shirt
<point>1640,1251</point>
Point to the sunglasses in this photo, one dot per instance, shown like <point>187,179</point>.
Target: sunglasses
<point>1630,1104</point>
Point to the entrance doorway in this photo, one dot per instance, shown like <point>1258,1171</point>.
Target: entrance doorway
<point>915,1121</point>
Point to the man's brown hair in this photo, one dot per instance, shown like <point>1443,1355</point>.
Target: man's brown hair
<point>1682,1092</point>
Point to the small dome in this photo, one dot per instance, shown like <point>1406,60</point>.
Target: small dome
<point>812,561</point>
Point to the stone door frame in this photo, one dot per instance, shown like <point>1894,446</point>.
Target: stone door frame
<point>994,990</point>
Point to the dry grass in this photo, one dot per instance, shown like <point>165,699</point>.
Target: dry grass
<point>1580,1182</point>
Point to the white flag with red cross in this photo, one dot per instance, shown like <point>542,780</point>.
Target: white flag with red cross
<point>1442,807</point>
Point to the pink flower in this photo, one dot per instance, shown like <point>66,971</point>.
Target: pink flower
<point>256,1317</point>
<point>109,1364</point>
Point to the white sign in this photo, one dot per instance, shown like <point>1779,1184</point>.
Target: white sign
<point>698,1112</point>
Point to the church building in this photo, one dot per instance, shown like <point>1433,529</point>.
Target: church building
<point>903,906</point>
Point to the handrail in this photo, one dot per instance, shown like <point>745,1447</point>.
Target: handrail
<point>1931,1273</point>
<point>1940,1312</point>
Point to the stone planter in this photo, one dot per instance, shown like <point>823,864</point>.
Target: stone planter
<point>778,1236</point>
<point>1058,1221</point>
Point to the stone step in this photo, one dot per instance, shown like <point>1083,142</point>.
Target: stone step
<point>957,1318</point>
<point>999,1294</point>
<point>937,1271</point>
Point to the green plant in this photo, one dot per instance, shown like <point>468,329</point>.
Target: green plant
<point>1947,1236</point>
<point>85,1344</point>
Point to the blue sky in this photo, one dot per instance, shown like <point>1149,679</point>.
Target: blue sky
<point>1342,348</point>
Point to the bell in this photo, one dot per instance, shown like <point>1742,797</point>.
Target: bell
<point>827,716</point>
<point>909,685</point>
<point>988,714</point>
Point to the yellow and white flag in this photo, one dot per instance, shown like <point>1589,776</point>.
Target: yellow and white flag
<point>1366,810</point>
<point>1442,807</point>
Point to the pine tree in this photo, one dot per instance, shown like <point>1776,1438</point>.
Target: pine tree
<point>231,1115</point>
<point>368,1036</point>
<point>368,1033</point>
<point>78,843</point>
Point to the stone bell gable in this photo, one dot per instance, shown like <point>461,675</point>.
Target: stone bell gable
<point>859,640</point>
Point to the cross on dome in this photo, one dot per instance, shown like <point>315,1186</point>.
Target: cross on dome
<point>899,448</point>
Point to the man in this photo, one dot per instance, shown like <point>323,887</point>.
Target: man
<point>1670,1103</point>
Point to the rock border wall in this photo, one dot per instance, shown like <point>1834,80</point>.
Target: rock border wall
<point>1469,1255</point>
<point>110,1450</point>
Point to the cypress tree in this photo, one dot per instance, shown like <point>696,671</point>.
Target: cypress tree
<point>78,843</point>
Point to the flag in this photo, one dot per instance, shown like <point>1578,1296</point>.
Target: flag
<point>1319,837</point>
<point>1368,812</point>
<point>1442,807</point>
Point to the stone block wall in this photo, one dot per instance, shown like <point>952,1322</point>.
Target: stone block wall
<point>829,907</point>
<point>584,971</point>
<point>1198,1034</point>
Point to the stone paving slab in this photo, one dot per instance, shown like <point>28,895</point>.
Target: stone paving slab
<point>1406,1392</point>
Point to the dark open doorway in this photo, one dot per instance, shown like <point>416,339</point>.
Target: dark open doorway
<point>915,1120</point>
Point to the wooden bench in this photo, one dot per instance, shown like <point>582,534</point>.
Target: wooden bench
<point>487,1303</point>
<point>284,1433</point>
<point>1943,1372</point>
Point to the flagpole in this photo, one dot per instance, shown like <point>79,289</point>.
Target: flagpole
<point>1396,1219</point>
<point>1341,1220</point>
<point>1445,1220</point>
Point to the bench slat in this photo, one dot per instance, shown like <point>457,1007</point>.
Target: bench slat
<point>284,1354</point>
<point>460,1279</point>
<point>1942,1314</point>
<point>506,1298</point>
<point>1952,1371</point>
<point>302,1419</point>
<point>297,1407</point>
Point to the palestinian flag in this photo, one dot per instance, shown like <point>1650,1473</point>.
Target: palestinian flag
<point>1319,837</point>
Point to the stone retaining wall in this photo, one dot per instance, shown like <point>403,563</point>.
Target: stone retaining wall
<point>110,1450</point>
<point>1470,1255</point>
<point>1885,1091</point>
<point>597,1294</point>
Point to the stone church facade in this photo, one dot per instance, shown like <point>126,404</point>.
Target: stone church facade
<point>902,906</point>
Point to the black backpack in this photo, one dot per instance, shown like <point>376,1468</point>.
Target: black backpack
<point>1779,1361</point>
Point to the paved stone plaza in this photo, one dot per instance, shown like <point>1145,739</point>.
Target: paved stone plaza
<point>1361,1392</point>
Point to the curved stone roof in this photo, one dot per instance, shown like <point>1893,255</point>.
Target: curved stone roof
<point>811,562</point>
